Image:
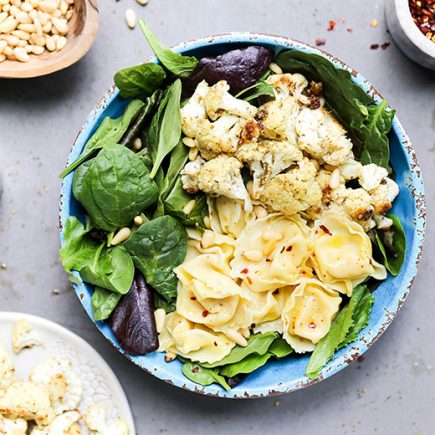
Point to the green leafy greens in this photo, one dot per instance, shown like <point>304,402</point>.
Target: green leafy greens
<point>181,66</point>
<point>103,303</point>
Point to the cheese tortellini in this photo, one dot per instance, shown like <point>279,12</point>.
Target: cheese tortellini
<point>342,253</point>
<point>308,313</point>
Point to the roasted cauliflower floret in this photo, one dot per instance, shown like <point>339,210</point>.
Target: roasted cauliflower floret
<point>268,158</point>
<point>371,176</point>
<point>225,135</point>
<point>7,369</point>
<point>194,110</point>
<point>63,384</point>
<point>10,426</point>
<point>294,191</point>
<point>357,205</point>
<point>287,84</point>
<point>24,336</point>
<point>64,424</point>
<point>219,101</point>
<point>97,417</point>
<point>27,400</point>
<point>383,196</point>
<point>190,173</point>
<point>221,177</point>
<point>321,136</point>
<point>277,119</point>
<point>350,170</point>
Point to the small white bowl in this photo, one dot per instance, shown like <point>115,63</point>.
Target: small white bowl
<point>407,35</point>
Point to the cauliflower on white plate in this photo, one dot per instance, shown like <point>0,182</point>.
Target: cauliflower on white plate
<point>27,400</point>
<point>10,426</point>
<point>63,384</point>
<point>321,136</point>
<point>220,177</point>
<point>294,191</point>
<point>224,135</point>
<point>64,424</point>
<point>7,369</point>
<point>24,336</point>
<point>97,420</point>
<point>194,110</point>
<point>219,101</point>
<point>267,158</point>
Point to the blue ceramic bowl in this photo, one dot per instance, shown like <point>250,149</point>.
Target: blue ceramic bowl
<point>286,375</point>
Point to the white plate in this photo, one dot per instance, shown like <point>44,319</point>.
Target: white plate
<point>99,381</point>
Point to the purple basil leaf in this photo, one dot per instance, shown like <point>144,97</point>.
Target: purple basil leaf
<point>133,321</point>
<point>241,68</point>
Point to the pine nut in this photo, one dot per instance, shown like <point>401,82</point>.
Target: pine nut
<point>4,2</point>
<point>47,6</point>
<point>271,235</point>
<point>315,163</point>
<point>189,142</point>
<point>46,28</point>
<point>38,27</point>
<point>207,239</point>
<point>160,316</point>
<point>50,44</point>
<point>37,40</point>
<point>137,144</point>
<point>3,16</point>
<point>56,14</point>
<point>6,8</point>
<point>138,220</point>
<point>21,34</point>
<point>23,18</point>
<point>269,247</point>
<point>260,211</point>
<point>11,40</point>
<point>21,54</point>
<point>170,356</point>
<point>14,11</point>
<point>334,179</point>
<point>253,255</point>
<point>8,25</point>
<point>34,3</point>
<point>193,154</point>
<point>61,25</point>
<point>43,18</point>
<point>27,27</point>
<point>37,49</point>
<point>21,43</point>
<point>3,45</point>
<point>69,14</point>
<point>2,58</point>
<point>26,7</point>
<point>130,18</point>
<point>275,68</point>
<point>245,332</point>
<point>236,337</point>
<point>143,2</point>
<point>250,188</point>
<point>189,207</point>
<point>28,49</point>
<point>61,42</point>
<point>33,14</point>
<point>121,236</point>
<point>207,222</point>
<point>8,51</point>
<point>63,7</point>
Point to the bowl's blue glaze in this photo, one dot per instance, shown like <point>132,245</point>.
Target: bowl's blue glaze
<point>286,375</point>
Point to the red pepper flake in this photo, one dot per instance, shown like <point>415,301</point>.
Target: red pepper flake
<point>325,230</point>
<point>349,29</point>
<point>361,359</point>
<point>205,313</point>
<point>195,369</point>
<point>312,325</point>
<point>249,280</point>
<point>193,298</point>
<point>374,46</point>
<point>385,45</point>
<point>331,26</point>
<point>276,292</point>
<point>320,41</point>
<point>342,20</point>
<point>245,270</point>
<point>289,248</point>
<point>215,344</point>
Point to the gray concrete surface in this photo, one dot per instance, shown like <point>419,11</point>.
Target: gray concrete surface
<point>391,392</point>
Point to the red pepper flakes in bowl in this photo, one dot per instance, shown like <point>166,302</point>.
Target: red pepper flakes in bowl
<point>423,14</point>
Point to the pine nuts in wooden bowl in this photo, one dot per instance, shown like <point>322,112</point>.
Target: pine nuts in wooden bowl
<point>38,37</point>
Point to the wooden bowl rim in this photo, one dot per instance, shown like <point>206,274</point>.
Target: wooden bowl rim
<point>64,58</point>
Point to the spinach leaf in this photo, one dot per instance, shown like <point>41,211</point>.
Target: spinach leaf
<point>109,131</point>
<point>169,130</point>
<point>203,376</point>
<point>78,248</point>
<point>157,247</point>
<point>246,365</point>
<point>79,175</point>
<point>138,80</point>
<point>178,159</point>
<point>111,269</point>
<point>257,344</point>
<point>136,128</point>
<point>392,245</point>
<point>280,348</point>
<point>180,65</point>
<point>259,89</point>
<point>337,335</point>
<point>373,134</point>
<point>116,188</point>
<point>103,303</point>
<point>369,123</point>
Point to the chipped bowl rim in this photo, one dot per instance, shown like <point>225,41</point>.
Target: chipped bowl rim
<point>154,363</point>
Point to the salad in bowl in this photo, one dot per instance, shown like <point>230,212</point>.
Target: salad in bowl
<point>236,215</point>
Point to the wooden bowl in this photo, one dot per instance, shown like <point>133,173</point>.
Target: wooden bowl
<point>83,28</point>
